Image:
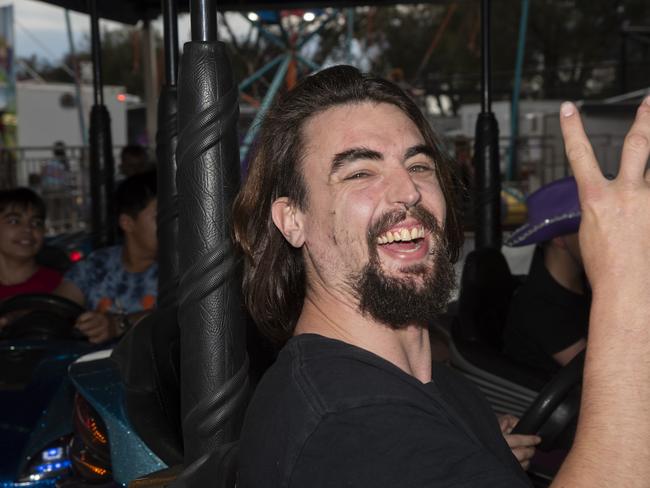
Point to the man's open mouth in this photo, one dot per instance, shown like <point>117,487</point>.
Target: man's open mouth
<point>404,234</point>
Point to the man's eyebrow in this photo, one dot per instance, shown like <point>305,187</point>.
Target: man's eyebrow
<point>419,149</point>
<point>341,159</point>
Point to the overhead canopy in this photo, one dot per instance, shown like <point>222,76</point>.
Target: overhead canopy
<point>131,11</point>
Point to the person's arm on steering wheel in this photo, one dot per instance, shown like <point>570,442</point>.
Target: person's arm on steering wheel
<point>100,327</point>
<point>97,326</point>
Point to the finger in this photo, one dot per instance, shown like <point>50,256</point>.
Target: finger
<point>519,440</point>
<point>578,148</point>
<point>84,317</point>
<point>95,338</point>
<point>636,147</point>
<point>507,422</point>
<point>524,453</point>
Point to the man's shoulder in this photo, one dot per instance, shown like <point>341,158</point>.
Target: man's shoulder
<point>333,375</point>
<point>314,379</point>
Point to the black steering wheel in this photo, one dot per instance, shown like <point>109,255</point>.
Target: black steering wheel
<point>556,406</point>
<point>46,317</point>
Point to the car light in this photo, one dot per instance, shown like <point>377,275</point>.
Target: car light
<point>50,463</point>
<point>75,255</point>
<point>89,451</point>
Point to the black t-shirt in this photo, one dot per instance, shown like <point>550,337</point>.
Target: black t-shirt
<point>328,414</point>
<point>545,318</point>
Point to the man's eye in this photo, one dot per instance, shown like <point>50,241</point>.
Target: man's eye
<point>358,175</point>
<point>38,224</point>
<point>13,221</point>
<point>420,168</point>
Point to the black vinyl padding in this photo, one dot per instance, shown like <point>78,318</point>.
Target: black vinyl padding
<point>166,141</point>
<point>211,315</point>
<point>148,360</point>
<point>486,288</point>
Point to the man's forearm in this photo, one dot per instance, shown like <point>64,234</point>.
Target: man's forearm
<point>612,444</point>
<point>614,424</point>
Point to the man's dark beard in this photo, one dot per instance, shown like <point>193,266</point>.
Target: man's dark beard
<point>398,302</point>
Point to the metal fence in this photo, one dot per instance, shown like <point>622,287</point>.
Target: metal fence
<point>62,181</point>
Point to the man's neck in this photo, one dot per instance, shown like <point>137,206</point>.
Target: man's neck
<point>134,258</point>
<point>14,271</point>
<point>335,317</point>
<point>564,269</point>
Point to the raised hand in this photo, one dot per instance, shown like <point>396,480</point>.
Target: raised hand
<point>612,444</point>
<point>615,213</point>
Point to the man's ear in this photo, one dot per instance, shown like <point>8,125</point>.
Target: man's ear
<point>125,222</point>
<point>289,220</point>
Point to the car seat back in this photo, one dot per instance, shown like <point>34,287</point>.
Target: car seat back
<point>148,358</point>
<point>486,288</point>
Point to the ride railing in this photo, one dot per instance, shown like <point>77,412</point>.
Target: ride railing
<point>62,180</point>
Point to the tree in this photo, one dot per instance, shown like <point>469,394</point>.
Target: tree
<point>121,61</point>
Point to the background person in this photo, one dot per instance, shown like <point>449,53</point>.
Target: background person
<point>134,159</point>
<point>549,314</point>
<point>22,228</point>
<point>118,284</point>
<point>56,181</point>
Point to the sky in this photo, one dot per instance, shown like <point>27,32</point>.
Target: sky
<point>39,29</point>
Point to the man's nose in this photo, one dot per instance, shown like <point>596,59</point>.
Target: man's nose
<point>402,189</point>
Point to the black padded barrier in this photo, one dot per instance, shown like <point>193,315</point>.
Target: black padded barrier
<point>214,365</point>
<point>102,169</point>
<point>166,142</point>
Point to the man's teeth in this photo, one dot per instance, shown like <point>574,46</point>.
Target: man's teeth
<point>403,235</point>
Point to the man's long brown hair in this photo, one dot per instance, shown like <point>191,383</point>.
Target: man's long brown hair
<point>274,271</point>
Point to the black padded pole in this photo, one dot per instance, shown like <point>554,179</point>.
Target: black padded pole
<point>102,164</point>
<point>166,141</point>
<point>487,179</point>
<point>214,365</point>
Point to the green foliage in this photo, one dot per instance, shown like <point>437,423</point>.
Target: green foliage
<point>573,49</point>
<point>121,61</point>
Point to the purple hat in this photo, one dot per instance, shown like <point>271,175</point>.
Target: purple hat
<point>553,210</point>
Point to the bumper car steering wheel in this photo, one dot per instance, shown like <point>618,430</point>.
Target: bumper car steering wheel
<point>46,317</point>
<point>556,406</point>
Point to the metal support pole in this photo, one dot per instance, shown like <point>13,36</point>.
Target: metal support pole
<point>203,17</point>
<point>623,63</point>
<point>264,107</point>
<point>170,39</point>
<point>150,79</point>
<point>350,34</point>
<point>166,143</point>
<point>487,184</point>
<point>96,54</point>
<point>102,165</point>
<point>516,91</point>
<point>213,360</point>
<point>77,81</point>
